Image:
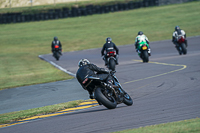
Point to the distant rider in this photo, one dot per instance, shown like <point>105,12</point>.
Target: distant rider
<point>109,46</point>
<point>177,32</point>
<point>87,69</point>
<point>56,42</point>
<point>141,37</point>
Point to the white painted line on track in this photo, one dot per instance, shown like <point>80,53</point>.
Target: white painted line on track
<point>183,67</point>
<point>57,66</point>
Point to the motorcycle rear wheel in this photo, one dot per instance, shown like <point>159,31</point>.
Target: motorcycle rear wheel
<point>56,55</point>
<point>145,56</point>
<point>102,97</point>
<point>112,64</point>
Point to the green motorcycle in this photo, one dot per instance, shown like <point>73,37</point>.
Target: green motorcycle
<point>143,49</point>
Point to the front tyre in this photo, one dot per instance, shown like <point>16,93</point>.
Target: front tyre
<point>128,100</point>
<point>183,47</point>
<point>102,97</point>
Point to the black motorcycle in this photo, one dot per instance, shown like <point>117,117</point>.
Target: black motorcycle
<point>106,94</point>
<point>56,52</point>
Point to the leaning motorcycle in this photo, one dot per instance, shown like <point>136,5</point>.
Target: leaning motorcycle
<point>105,94</point>
<point>143,47</point>
<point>111,60</point>
<point>56,52</point>
<point>182,46</point>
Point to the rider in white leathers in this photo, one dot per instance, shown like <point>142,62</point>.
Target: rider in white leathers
<point>141,37</point>
<point>175,34</point>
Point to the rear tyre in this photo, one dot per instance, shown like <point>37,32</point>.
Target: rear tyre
<point>57,56</point>
<point>112,64</point>
<point>102,97</point>
<point>128,100</point>
<point>184,50</point>
<point>145,56</point>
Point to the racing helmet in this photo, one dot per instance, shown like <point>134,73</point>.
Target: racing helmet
<point>83,62</point>
<point>140,33</point>
<point>55,38</point>
<point>108,39</point>
<point>177,28</point>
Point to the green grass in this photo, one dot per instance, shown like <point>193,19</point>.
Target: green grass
<point>21,43</point>
<point>19,115</point>
<point>186,126</point>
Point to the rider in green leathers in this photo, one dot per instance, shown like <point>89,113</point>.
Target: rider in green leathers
<point>139,41</point>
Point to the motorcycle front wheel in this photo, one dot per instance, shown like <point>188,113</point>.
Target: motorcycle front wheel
<point>183,47</point>
<point>128,100</point>
<point>103,97</point>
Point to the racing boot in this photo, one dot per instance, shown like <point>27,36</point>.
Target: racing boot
<point>149,52</point>
<point>105,61</point>
<point>117,61</point>
<point>91,95</point>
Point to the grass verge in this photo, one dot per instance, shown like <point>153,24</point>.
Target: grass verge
<point>19,115</point>
<point>21,43</point>
<point>186,126</point>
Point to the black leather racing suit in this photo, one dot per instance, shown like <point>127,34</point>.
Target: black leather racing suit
<point>109,47</point>
<point>56,42</point>
<point>92,70</point>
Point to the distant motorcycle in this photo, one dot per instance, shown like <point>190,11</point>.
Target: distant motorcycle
<point>111,60</point>
<point>56,52</point>
<point>182,46</point>
<point>107,95</point>
<point>143,51</point>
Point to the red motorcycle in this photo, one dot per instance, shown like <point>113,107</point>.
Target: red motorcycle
<point>182,45</point>
<point>111,60</point>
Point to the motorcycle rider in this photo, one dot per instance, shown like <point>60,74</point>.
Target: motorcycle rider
<point>175,34</point>
<point>88,69</point>
<point>109,46</point>
<point>56,42</point>
<point>141,37</point>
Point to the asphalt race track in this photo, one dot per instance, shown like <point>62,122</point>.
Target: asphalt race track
<point>166,89</point>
